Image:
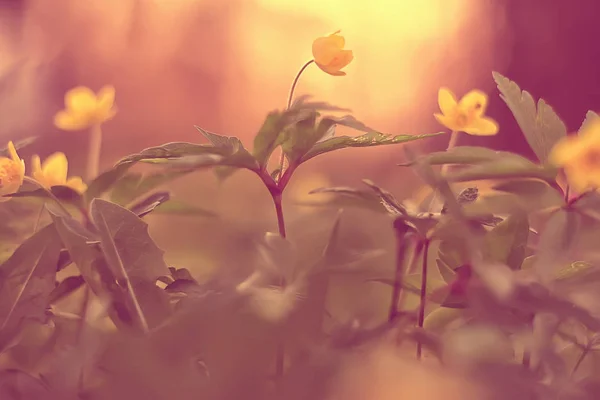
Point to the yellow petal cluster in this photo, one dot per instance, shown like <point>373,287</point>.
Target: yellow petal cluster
<point>579,156</point>
<point>53,172</point>
<point>84,108</point>
<point>12,172</point>
<point>467,114</point>
<point>329,54</point>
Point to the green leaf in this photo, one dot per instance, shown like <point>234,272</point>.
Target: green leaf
<point>540,125</point>
<point>269,136</point>
<point>126,243</point>
<point>134,185</point>
<point>178,207</point>
<point>129,251</point>
<point>238,155</point>
<point>103,182</point>
<point>18,145</point>
<point>299,138</point>
<point>578,272</point>
<point>536,193</point>
<point>149,204</point>
<point>342,197</point>
<point>387,199</point>
<point>64,194</point>
<point>193,156</point>
<point>463,155</point>
<point>370,139</point>
<point>26,280</point>
<point>507,242</point>
<point>504,169</point>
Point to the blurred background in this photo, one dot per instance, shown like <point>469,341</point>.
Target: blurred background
<point>223,64</point>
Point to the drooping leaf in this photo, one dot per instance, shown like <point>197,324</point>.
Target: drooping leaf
<point>134,185</point>
<point>540,125</point>
<point>507,242</point>
<point>534,192</point>
<point>63,193</point>
<point>388,200</point>
<point>464,155</point>
<point>342,197</point>
<point>126,242</point>
<point>26,280</point>
<point>149,204</point>
<point>66,287</point>
<point>504,169</point>
<point>370,139</point>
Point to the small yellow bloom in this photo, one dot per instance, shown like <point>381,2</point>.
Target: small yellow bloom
<point>579,156</point>
<point>466,115</point>
<point>329,54</point>
<point>12,172</point>
<point>53,172</point>
<point>83,108</point>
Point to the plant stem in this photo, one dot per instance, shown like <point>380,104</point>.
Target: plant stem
<point>289,104</point>
<point>95,146</point>
<point>585,351</point>
<point>423,299</point>
<point>401,245</point>
<point>451,144</point>
<point>39,217</point>
<point>279,212</point>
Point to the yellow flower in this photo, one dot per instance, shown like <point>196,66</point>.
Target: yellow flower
<point>12,172</point>
<point>579,156</point>
<point>83,108</point>
<point>329,54</point>
<point>466,115</point>
<point>53,172</point>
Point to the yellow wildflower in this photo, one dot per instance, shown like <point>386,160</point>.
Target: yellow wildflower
<point>84,108</point>
<point>466,115</point>
<point>579,156</point>
<point>53,172</point>
<point>329,54</point>
<point>12,172</point>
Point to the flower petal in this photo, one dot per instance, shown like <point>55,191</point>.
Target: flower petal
<point>567,149</point>
<point>331,71</point>
<point>36,164</point>
<point>447,101</point>
<point>68,122</point>
<point>482,127</point>
<point>77,184</point>
<point>55,168</point>
<point>106,99</point>
<point>13,152</point>
<point>448,122</point>
<point>578,178</point>
<point>324,50</point>
<point>474,103</point>
<point>80,99</point>
<point>338,40</point>
<point>342,59</point>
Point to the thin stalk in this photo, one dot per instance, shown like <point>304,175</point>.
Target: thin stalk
<point>584,352</point>
<point>279,212</point>
<point>95,147</point>
<point>39,217</point>
<point>289,104</point>
<point>401,244</point>
<point>451,144</point>
<point>423,297</point>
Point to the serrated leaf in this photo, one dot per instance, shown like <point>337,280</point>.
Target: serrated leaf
<point>132,256</point>
<point>134,185</point>
<point>26,280</point>
<point>237,153</point>
<point>350,197</point>
<point>504,169</point>
<point>124,236</point>
<point>541,126</point>
<point>507,242</point>
<point>269,135</point>
<point>370,139</point>
<point>389,202</point>
<point>189,155</point>
<point>300,137</point>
